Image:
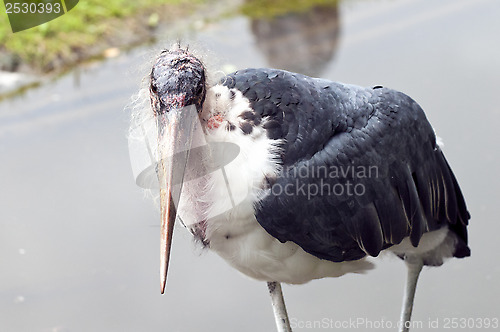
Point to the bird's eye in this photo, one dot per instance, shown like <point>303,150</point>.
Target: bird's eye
<point>153,88</point>
<point>199,90</point>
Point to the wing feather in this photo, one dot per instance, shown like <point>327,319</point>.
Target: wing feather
<point>344,128</point>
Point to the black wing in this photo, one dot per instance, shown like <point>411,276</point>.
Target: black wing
<point>361,168</point>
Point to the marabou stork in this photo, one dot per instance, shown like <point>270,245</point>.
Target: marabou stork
<point>331,174</point>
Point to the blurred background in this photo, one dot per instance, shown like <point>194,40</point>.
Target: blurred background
<point>79,240</point>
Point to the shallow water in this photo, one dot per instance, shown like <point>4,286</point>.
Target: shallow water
<point>79,241</point>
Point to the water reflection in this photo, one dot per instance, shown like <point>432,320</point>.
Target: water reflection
<point>302,42</point>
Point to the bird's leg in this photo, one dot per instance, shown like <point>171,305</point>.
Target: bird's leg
<point>414,265</point>
<point>279,308</point>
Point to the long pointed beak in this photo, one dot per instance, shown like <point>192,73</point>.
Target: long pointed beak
<point>175,130</point>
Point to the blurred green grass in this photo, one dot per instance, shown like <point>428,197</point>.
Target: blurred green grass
<point>82,27</point>
<point>273,8</point>
<point>94,25</point>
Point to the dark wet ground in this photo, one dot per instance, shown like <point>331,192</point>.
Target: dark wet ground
<point>79,241</point>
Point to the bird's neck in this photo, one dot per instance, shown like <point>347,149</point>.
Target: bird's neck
<point>224,198</point>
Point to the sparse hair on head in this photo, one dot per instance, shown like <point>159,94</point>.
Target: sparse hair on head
<point>139,106</point>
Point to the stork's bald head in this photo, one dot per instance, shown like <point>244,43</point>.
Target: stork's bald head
<point>177,80</point>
